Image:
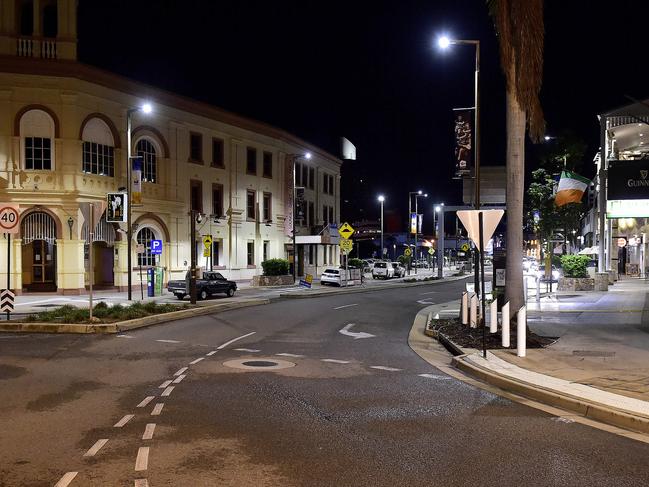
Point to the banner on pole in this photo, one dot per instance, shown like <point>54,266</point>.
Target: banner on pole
<point>463,141</point>
<point>136,181</point>
<point>413,223</point>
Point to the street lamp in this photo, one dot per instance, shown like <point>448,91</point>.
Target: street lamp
<point>295,157</point>
<point>410,194</point>
<point>145,108</point>
<point>381,200</point>
<point>418,195</point>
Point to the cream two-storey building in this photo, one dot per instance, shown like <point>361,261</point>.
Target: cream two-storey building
<point>63,140</point>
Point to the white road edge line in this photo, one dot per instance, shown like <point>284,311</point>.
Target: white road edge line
<point>146,401</point>
<point>157,409</point>
<point>167,391</point>
<point>142,460</point>
<point>435,376</point>
<point>124,420</point>
<point>334,361</point>
<point>209,354</point>
<point>141,483</point>
<point>289,355</point>
<point>221,347</point>
<point>66,479</point>
<point>179,379</point>
<point>383,367</point>
<point>196,361</point>
<point>96,447</point>
<point>148,431</point>
<point>346,306</point>
<point>164,384</point>
<point>180,371</point>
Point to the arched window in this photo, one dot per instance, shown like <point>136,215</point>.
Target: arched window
<point>147,152</point>
<point>50,20</point>
<point>98,148</point>
<point>37,136</point>
<point>146,258</point>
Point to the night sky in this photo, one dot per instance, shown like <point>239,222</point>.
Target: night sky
<point>370,71</point>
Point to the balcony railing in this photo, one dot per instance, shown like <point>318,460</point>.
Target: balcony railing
<point>35,47</point>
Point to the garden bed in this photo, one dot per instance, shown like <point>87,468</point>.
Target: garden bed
<point>102,313</point>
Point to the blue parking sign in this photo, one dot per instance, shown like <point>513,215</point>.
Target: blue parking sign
<point>156,247</point>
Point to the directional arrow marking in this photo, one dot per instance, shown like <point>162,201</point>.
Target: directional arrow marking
<point>355,335</point>
<point>424,301</point>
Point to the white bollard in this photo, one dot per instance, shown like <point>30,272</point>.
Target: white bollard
<point>505,325</point>
<point>474,311</point>
<point>521,329</point>
<point>493,319</point>
<point>465,308</point>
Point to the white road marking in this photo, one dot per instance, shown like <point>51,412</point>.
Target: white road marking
<point>124,420</point>
<point>434,376</point>
<point>221,347</point>
<point>66,479</point>
<point>355,335</point>
<point>196,361</point>
<point>429,292</point>
<point>346,306</point>
<point>125,336</point>
<point>334,361</point>
<point>167,391</point>
<point>249,350</point>
<point>209,354</point>
<point>423,301</point>
<point>157,409</point>
<point>95,448</point>
<point>178,379</point>
<point>141,483</point>
<point>180,371</point>
<point>148,431</point>
<point>383,367</point>
<point>289,355</point>
<point>559,419</point>
<point>164,384</point>
<point>146,401</point>
<point>168,341</point>
<point>142,460</point>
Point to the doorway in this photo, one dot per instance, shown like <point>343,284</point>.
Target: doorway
<point>38,233</point>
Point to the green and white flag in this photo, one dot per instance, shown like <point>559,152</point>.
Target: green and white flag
<point>571,188</point>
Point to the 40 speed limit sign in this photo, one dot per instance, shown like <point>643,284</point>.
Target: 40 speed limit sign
<point>9,219</point>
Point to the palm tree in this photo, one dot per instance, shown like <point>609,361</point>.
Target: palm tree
<point>519,27</point>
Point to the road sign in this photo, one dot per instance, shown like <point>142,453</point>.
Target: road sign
<point>407,252</point>
<point>207,252</point>
<point>465,247</point>
<point>346,246</point>
<point>207,241</point>
<point>116,209</point>
<point>431,251</point>
<point>490,220</point>
<point>139,248</point>
<point>9,219</point>
<point>156,247</point>
<point>7,300</point>
<point>346,230</point>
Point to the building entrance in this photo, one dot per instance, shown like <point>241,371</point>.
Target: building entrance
<point>38,233</point>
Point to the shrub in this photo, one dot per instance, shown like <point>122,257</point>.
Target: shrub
<point>356,263</point>
<point>275,267</point>
<point>575,265</point>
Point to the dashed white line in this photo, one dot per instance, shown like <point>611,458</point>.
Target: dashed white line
<point>289,355</point>
<point>249,350</point>
<point>383,367</point>
<point>221,347</point>
<point>142,460</point>
<point>346,306</point>
<point>167,391</point>
<point>334,361</point>
<point>429,292</point>
<point>435,376</point>
<point>148,431</point>
<point>168,341</point>
<point>164,384</point>
<point>157,409</point>
<point>66,479</point>
<point>124,420</point>
<point>196,361</point>
<point>180,371</point>
<point>179,379</point>
<point>146,401</point>
<point>209,354</point>
<point>125,336</point>
<point>141,483</point>
<point>95,448</point>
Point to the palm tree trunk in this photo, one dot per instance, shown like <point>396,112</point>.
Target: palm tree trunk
<point>515,190</point>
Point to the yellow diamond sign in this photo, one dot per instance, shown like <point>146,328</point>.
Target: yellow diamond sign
<point>346,246</point>
<point>346,230</point>
<point>207,241</point>
<point>431,251</point>
<point>407,252</point>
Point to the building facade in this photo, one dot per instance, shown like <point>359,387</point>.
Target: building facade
<point>63,142</point>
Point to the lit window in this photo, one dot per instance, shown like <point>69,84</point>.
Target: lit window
<point>146,258</point>
<point>146,151</point>
<point>38,153</point>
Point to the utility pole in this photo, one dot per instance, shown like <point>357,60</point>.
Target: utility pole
<point>192,269</point>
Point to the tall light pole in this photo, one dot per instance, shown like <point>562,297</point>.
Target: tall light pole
<point>146,108</point>
<point>444,42</point>
<point>410,194</point>
<point>295,158</point>
<point>381,200</point>
<point>418,195</point>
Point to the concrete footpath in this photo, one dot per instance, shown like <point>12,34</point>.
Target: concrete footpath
<point>599,365</point>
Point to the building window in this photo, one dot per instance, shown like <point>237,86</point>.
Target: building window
<point>331,185</point>
<point>268,165</point>
<point>195,147</point>
<point>38,153</point>
<point>267,213</point>
<point>325,184</point>
<point>331,218</point>
<point>250,205</point>
<point>217,200</point>
<point>251,253</point>
<point>324,214</point>
<point>311,249</point>
<point>216,253</point>
<point>311,178</point>
<point>298,174</point>
<point>98,159</point>
<point>218,158</point>
<point>146,258</point>
<point>196,195</point>
<point>146,151</point>
<point>251,161</point>
<point>305,175</point>
<point>311,213</point>
<point>266,250</point>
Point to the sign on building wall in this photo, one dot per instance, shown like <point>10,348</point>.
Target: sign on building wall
<point>116,208</point>
<point>463,141</point>
<point>628,180</point>
<point>136,181</point>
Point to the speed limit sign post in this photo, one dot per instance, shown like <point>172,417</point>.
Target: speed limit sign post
<point>9,223</point>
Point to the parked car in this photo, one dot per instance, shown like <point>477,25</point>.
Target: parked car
<point>330,276</point>
<point>340,276</point>
<point>399,270</point>
<point>211,283</point>
<point>382,270</point>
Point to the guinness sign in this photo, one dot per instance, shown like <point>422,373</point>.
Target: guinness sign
<point>628,180</point>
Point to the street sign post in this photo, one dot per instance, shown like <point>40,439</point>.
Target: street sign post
<point>7,302</point>
<point>346,246</point>
<point>9,223</point>
<point>156,247</point>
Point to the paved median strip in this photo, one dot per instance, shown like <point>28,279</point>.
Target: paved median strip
<point>94,449</point>
<point>124,420</point>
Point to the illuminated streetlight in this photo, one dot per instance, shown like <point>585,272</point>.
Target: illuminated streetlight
<point>381,199</point>
<point>443,42</point>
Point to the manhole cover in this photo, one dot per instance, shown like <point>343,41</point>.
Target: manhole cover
<point>259,365</point>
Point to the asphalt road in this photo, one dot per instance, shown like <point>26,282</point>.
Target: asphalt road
<point>346,411</point>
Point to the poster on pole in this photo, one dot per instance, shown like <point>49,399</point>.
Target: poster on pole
<point>463,141</point>
<point>136,181</point>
